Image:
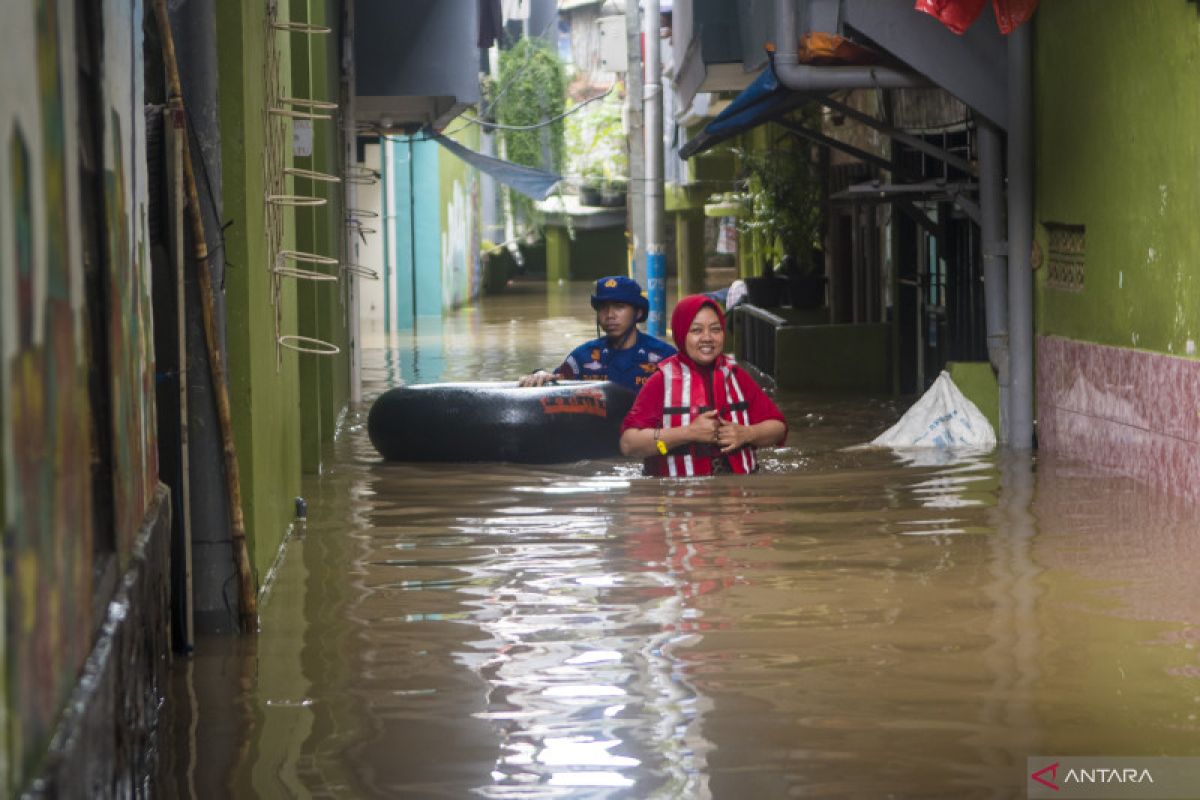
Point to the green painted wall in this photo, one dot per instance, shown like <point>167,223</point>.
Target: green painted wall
<point>324,379</point>
<point>263,381</point>
<point>1116,147</point>
<point>558,254</point>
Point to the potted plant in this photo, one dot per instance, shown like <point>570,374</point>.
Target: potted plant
<point>592,187</point>
<point>597,152</point>
<point>783,206</point>
<point>613,192</point>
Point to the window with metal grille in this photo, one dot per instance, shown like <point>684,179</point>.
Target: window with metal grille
<point>1067,246</point>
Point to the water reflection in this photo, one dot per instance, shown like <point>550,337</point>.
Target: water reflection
<point>848,623</point>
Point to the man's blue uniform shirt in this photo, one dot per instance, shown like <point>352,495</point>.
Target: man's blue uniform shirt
<point>632,367</point>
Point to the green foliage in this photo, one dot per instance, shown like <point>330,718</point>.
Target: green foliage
<point>531,89</point>
<point>783,197</point>
<point>595,140</point>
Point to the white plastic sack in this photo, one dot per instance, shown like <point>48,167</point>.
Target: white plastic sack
<point>943,417</point>
<point>737,294</point>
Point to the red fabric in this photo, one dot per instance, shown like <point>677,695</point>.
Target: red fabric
<point>647,409</point>
<point>686,311</point>
<point>957,15</point>
<point>725,390</point>
<point>648,405</point>
<point>1010,14</point>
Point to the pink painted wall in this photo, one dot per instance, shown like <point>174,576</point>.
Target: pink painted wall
<point>1135,412</point>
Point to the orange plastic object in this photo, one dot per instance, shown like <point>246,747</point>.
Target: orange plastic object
<point>825,49</point>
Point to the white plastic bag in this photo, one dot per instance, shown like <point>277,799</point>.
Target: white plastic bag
<point>943,417</point>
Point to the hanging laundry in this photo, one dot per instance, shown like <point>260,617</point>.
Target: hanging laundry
<point>1010,14</point>
<point>727,237</point>
<point>958,15</point>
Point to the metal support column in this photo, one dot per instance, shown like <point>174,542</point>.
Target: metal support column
<point>656,277</point>
<point>1020,239</point>
<point>995,263</point>
<point>633,93</point>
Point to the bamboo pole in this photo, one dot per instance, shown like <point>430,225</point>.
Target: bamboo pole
<point>248,606</point>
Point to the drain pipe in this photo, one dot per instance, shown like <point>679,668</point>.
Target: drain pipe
<point>1020,238</point>
<point>803,78</point>
<point>995,262</point>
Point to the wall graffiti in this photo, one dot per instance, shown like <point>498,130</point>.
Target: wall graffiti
<point>47,490</point>
<point>130,335</point>
<point>46,425</point>
<point>460,235</point>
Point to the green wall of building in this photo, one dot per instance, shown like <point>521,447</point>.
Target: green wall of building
<point>324,380</point>
<point>285,404</point>
<point>1117,152</point>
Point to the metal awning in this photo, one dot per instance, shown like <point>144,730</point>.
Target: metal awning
<point>762,101</point>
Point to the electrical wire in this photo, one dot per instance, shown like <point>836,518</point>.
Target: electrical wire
<point>535,126</point>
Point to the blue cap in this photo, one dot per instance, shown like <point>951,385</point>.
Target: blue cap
<point>619,289</point>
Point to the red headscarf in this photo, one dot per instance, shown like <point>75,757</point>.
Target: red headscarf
<point>683,315</point>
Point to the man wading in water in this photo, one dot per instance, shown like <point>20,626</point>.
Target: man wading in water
<point>623,355</point>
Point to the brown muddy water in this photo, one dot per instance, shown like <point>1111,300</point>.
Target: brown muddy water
<point>843,624</point>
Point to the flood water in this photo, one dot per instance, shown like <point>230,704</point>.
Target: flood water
<point>842,624</point>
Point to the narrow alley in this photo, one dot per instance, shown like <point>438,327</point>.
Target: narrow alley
<point>599,399</point>
<point>847,624</point>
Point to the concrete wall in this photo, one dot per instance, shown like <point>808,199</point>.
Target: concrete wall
<point>834,357</point>
<point>63,558</point>
<point>430,229</point>
<point>1117,154</point>
<point>412,235</point>
<point>371,250</point>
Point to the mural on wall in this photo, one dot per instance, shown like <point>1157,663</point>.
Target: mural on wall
<point>130,336</point>
<point>47,521</point>
<point>460,243</point>
<point>46,427</point>
<point>459,223</point>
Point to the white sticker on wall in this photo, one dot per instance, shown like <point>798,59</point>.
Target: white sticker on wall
<point>302,140</point>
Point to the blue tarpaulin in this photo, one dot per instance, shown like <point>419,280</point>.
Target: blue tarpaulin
<point>762,101</point>
<point>535,183</point>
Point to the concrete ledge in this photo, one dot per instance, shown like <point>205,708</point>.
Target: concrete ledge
<point>105,742</point>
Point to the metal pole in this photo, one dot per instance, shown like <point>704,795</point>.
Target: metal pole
<point>633,94</point>
<point>995,263</point>
<point>211,534</point>
<point>656,278</point>
<point>176,133</point>
<point>1020,239</point>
